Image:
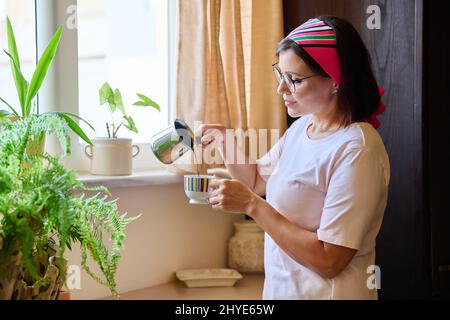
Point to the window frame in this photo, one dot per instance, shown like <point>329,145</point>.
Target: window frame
<point>6,63</point>
<point>60,91</point>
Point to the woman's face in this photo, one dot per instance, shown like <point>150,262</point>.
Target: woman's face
<point>316,95</point>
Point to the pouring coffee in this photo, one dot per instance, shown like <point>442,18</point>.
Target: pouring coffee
<point>172,143</point>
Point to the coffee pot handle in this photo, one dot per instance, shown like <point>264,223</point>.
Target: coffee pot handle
<point>197,141</point>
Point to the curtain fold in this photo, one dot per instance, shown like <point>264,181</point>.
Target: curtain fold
<point>224,75</point>
<point>192,53</point>
<point>216,104</point>
<point>232,52</point>
<point>264,23</point>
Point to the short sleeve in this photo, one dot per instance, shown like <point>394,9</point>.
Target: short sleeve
<point>268,164</point>
<point>354,200</point>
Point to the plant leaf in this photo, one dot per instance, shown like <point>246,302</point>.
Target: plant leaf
<point>79,118</point>
<point>130,125</point>
<point>118,101</point>
<point>15,66</point>
<point>106,95</point>
<point>12,45</point>
<point>42,68</point>
<point>19,80</point>
<point>9,106</point>
<point>75,127</point>
<point>4,113</point>
<point>146,102</point>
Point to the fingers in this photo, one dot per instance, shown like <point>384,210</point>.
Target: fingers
<point>216,183</point>
<point>220,173</point>
<point>207,140</point>
<point>205,127</point>
<point>214,200</point>
<point>229,195</point>
<point>216,196</point>
<point>210,133</point>
<point>212,136</point>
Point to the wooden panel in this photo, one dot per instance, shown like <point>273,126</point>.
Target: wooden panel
<point>402,247</point>
<point>437,104</point>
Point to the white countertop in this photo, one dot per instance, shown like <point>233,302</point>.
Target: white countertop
<point>250,287</point>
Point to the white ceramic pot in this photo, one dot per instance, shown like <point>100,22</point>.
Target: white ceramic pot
<point>111,157</point>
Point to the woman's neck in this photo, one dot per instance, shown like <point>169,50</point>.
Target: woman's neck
<point>322,127</point>
<point>325,124</point>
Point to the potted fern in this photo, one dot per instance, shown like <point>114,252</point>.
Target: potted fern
<point>44,210</point>
<point>27,91</point>
<point>112,155</point>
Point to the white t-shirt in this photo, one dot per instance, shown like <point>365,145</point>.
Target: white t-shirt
<point>337,187</point>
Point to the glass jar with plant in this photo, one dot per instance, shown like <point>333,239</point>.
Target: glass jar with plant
<point>45,210</point>
<point>112,156</point>
<point>27,91</point>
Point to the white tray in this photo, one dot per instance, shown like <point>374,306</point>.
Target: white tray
<point>195,278</point>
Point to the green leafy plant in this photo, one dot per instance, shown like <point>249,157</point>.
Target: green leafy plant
<point>113,98</point>
<point>44,207</point>
<point>27,91</point>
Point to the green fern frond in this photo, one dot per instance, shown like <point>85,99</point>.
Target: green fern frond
<point>44,201</point>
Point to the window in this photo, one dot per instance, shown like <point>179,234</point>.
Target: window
<point>22,16</point>
<point>126,44</point>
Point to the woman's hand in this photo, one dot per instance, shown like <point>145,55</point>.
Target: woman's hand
<point>231,196</point>
<point>212,135</point>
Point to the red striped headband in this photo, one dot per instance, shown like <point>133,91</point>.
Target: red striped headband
<point>319,40</point>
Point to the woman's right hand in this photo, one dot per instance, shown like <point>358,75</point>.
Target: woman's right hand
<point>211,135</point>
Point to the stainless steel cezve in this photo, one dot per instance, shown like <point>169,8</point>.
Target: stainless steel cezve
<point>173,142</point>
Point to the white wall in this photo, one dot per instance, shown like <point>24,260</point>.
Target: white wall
<point>170,235</point>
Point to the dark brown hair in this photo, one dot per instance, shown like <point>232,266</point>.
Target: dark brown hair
<point>358,95</point>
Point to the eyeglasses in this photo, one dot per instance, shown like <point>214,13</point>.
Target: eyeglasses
<point>288,79</point>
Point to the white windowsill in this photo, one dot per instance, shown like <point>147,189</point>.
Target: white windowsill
<point>137,179</point>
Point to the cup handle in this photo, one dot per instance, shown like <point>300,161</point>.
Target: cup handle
<point>138,150</point>
<point>87,152</point>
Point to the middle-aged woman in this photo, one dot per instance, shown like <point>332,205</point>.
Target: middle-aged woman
<point>326,180</point>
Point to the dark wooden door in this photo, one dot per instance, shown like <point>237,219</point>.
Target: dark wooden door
<point>403,253</point>
<point>437,115</point>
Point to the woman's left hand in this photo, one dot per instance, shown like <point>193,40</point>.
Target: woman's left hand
<point>231,196</point>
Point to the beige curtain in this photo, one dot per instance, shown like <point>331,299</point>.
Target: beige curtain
<point>263,30</point>
<point>226,52</point>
